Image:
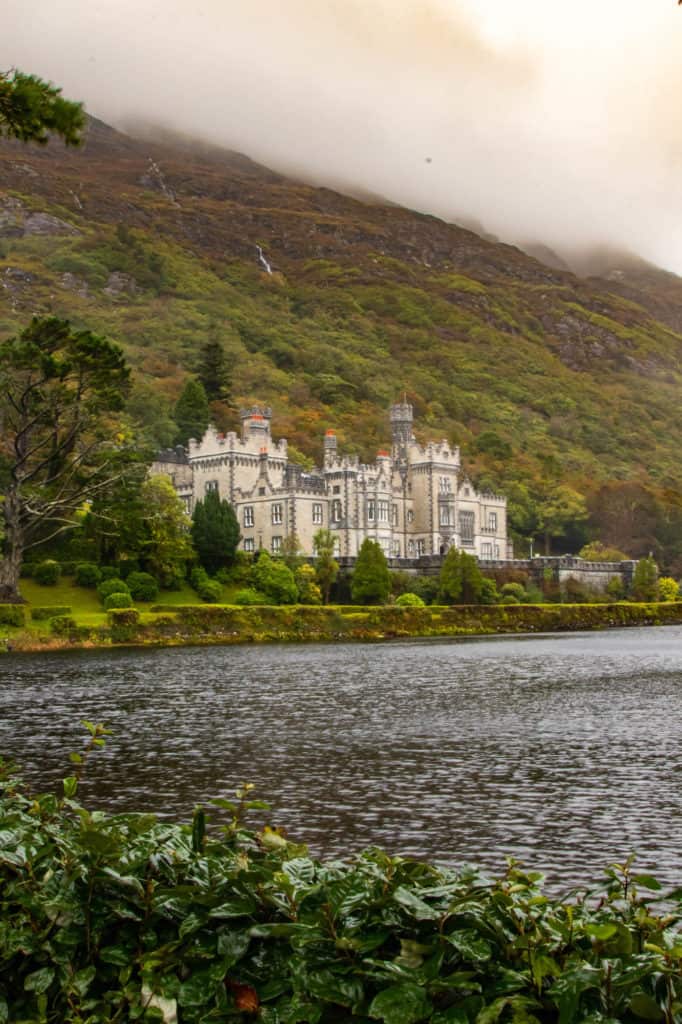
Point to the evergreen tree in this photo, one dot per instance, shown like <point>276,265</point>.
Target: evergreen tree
<point>212,370</point>
<point>326,566</point>
<point>645,580</point>
<point>473,580</point>
<point>450,580</point>
<point>31,110</point>
<point>191,412</point>
<point>215,532</point>
<point>371,580</point>
<point>461,581</point>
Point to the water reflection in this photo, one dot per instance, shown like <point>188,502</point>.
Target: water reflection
<point>562,751</point>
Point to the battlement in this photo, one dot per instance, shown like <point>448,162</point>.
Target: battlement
<point>214,443</point>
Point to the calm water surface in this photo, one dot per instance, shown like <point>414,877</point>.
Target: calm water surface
<point>565,751</point>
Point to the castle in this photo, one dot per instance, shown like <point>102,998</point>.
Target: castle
<point>413,500</point>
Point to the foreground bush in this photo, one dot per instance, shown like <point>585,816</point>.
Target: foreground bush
<point>87,574</point>
<point>122,918</point>
<point>47,573</point>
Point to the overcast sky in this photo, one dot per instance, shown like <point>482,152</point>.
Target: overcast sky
<point>542,119</point>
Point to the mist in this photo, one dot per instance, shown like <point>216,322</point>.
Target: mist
<point>543,122</point>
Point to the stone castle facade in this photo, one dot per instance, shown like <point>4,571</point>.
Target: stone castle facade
<point>414,500</point>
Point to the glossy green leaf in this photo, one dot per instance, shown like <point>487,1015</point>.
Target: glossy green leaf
<point>401,1004</point>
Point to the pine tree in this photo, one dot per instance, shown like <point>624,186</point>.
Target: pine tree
<point>191,412</point>
<point>215,532</point>
<point>472,579</point>
<point>326,566</point>
<point>645,580</point>
<point>371,580</point>
<point>213,372</point>
<point>450,580</point>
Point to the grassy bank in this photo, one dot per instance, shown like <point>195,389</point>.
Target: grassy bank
<point>66,616</point>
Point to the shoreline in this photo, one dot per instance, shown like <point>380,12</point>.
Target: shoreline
<point>226,625</point>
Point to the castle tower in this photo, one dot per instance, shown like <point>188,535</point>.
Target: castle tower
<point>330,447</point>
<point>401,428</point>
<point>256,424</point>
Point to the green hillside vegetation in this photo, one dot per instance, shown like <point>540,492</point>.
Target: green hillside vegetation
<point>562,394</point>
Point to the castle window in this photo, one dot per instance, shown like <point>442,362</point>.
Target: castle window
<point>383,508</point>
<point>277,514</point>
<point>261,491</point>
<point>410,548</point>
<point>410,515</point>
<point>492,520</point>
<point>337,511</point>
<point>486,550</point>
<point>395,548</point>
<point>210,485</point>
<point>385,546</point>
<point>421,548</point>
<point>248,515</point>
<point>336,489</point>
<point>444,515</point>
<point>276,545</point>
<point>445,485</point>
<point>249,544</point>
<point>394,515</point>
<point>317,514</point>
<point>466,527</point>
<point>370,510</point>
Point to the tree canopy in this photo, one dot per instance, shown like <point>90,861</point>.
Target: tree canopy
<point>60,439</point>
<point>371,582</point>
<point>215,532</point>
<point>31,110</point>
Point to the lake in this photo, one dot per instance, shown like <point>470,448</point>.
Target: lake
<point>564,751</point>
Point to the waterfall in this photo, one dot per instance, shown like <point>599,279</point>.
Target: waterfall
<point>262,260</point>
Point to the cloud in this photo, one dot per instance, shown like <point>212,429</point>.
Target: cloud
<point>563,129</point>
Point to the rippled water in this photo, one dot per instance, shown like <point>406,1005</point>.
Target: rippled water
<point>564,751</point>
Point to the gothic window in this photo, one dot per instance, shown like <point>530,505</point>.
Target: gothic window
<point>444,515</point>
<point>383,510</point>
<point>277,514</point>
<point>492,520</point>
<point>249,544</point>
<point>445,485</point>
<point>276,545</point>
<point>210,485</point>
<point>337,511</point>
<point>410,515</point>
<point>394,515</point>
<point>336,489</point>
<point>421,548</point>
<point>317,514</point>
<point>466,527</point>
<point>248,515</point>
<point>370,510</point>
<point>395,548</point>
<point>486,550</point>
<point>410,548</point>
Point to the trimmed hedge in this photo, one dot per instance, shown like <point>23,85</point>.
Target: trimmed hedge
<point>113,585</point>
<point>123,624</point>
<point>12,615</point>
<point>88,574</point>
<point>48,611</point>
<point>47,573</point>
<point>119,599</point>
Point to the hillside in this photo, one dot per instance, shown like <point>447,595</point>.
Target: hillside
<point>555,386</point>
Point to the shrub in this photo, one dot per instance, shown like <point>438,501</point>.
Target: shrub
<point>12,615</point>
<point>127,566</point>
<point>123,624</point>
<point>47,611</point>
<point>615,588</point>
<point>371,582</point>
<point>425,587</point>
<point>409,601</point>
<point>117,600</point>
<point>275,580</point>
<point>410,942</point>
<point>111,586</point>
<point>249,596</point>
<point>63,625</point>
<point>645,580</point>
<point>109,572</point>
<point>210,591</point>
<point>308,589</point>
<point>142,586</point>
<point>509,599</point>
<point>88,574</point>
<point>197,576</point>
<point>47,573</point>
<point>489,593</point>
<point>515,590</point>
<point>668,589</point>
